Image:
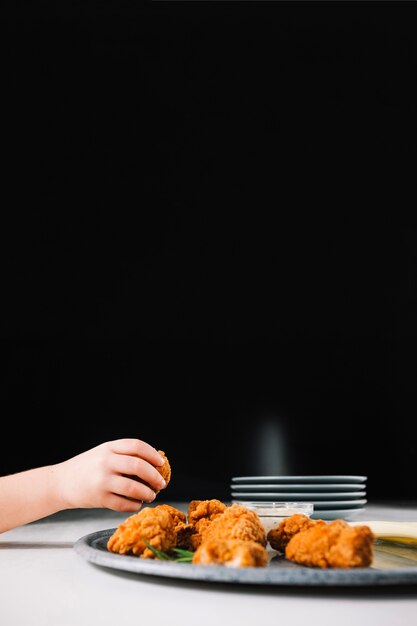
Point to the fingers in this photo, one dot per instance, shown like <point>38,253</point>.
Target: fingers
<point>136,447</point>
<point>119,503</point>
<point>133,466</point>
<point>130,488</point>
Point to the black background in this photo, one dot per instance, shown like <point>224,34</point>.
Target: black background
<point>207,241</point>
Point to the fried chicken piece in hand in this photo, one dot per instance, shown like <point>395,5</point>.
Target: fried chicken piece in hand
<point>231,553</point>
<point>154,525</point>
<point>164,470</point>
<point>237,522</point>
<point>201,514</point>
<point>279,537</point>
<point>335,544</point>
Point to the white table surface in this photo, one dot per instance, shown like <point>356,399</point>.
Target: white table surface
<point>43,581</point>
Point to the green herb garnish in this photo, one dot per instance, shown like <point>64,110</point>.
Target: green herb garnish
<point>183,556</point>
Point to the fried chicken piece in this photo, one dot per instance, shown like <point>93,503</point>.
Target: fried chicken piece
<point>201,514</point>
<point>178,516</point>
<point>231,553</point>
<point>164,470</point>
<point>335,544</point>
<point>204,509</point>
<point>279,537</point>
<point>236,522</point>
<point>200,529</point>
<point>183,530</point>
<point>185,537</point>
<point>154,525</point>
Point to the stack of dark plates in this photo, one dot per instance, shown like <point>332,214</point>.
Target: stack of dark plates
<point>333,497</point>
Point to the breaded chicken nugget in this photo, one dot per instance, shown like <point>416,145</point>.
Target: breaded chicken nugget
<point>204,509</point>
<point>154,525</point>
<point>185,537</point>
<point>178,516</point>
<point>164,470</point>
<point>335,544</point>
<point>201,514</point>
<point>231,553</point>
<point>183,530</point>
<point>236,522</point>
<point>279,537</point>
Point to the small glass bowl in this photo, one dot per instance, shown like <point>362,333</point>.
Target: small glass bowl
<point>272,513</point>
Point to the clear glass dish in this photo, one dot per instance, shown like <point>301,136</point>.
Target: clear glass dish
<point>272,513</point>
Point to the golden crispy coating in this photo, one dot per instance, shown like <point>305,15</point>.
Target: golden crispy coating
<point>279,537</point>
<point>177,515</point>
<point>164,470</point>
<point>155,525</point>
<point>207,509</point>
<point>231,553</point>
<point>201,513</point>
<point>236,522</point>
<point>183,530</point>
<point>200,528</point>
<point>335,544</point>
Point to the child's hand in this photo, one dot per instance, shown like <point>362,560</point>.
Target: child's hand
<point>110,476</point>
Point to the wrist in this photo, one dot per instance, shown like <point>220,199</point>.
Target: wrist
<point>57,487</point>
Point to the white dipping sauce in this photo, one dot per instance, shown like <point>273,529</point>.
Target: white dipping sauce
<point>271,514</point>
<point>270,521</point>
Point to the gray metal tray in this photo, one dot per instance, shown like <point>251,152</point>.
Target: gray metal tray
<point>393,565</point>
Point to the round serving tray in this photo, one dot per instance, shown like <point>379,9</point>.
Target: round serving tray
<point>93,548</point>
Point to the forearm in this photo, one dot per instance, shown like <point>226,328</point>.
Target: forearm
<point>28,496</point>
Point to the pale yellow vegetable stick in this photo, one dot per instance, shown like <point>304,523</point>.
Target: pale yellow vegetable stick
<point>396,532</point>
